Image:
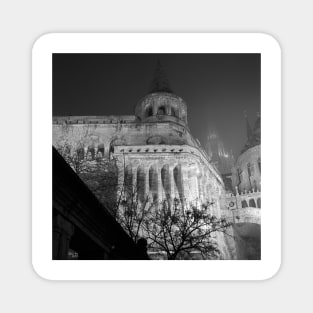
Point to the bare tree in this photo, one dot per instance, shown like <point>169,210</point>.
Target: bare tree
<point>170,227</point>
<point>132,213</point>
<point>173,229</point>
<point>184,232</point>
<point>72,148</point>
<point>98,171</point>
<point>101,177</point>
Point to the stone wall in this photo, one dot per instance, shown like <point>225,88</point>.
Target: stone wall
<point>165,152</point>
<point>165,171</point>
<point>93,135</point>
<point>159,159</point>
<point>243,210</point>
<point>246,174</point>
<point>162,104</point>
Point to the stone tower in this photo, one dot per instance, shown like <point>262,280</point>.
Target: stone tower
<point>244,203</point>
<point>155,151</point>
<point>221,157</point>
<point>246,174</point>
<point>155,148</point>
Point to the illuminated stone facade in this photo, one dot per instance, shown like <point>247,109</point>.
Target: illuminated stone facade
<point>155,151</point>
<point>218,154</point>
<point>246,174</point>
<point>158,156</point>
<point>243,204</point>
<point>154,147</point>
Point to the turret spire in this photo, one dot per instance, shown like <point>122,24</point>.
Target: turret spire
<point>248,128</point>
<point>254,136</point>
<point>160,81</point>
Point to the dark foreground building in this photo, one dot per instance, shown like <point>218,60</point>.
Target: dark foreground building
<point>82,228</point>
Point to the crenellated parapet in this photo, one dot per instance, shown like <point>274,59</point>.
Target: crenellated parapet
<point>243,207</point>
<point>97,119</point>
<point>251,198</point>
<point>243,215</point>
<point>112,130</point>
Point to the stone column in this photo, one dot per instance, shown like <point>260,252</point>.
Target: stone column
<point>200,186</point>
<point>154,109</point>
<point>205,187</point>
<point>160,187</point>
<point>120,180</point>
<point>147,187</point>
<point>62,233</point>
<point>134,180</point>
<point>179,113</point>
<point>184,181</point>
<point>238,199</point>
<point>171,181</point>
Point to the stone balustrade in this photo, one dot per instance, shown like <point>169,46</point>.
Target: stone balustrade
<point>243,215</point>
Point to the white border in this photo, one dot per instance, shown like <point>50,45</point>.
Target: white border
<point>156,43</point>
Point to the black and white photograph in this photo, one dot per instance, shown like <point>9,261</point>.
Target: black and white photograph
<point>131,156</point>
<point>156,156</point>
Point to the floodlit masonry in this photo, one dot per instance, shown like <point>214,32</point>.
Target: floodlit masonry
<point>154,148</point>
<point>158,156</point>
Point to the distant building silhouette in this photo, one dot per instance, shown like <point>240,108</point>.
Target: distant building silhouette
<point>221,157</point>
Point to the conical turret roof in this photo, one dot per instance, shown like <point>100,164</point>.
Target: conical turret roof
<point>160,82</point>
<point>253,135</point>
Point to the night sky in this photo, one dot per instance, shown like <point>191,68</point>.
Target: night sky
<point>218,88</point>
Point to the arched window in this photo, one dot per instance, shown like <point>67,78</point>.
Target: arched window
<point>259,203</point>
<point>161,110</point>
<point>89,156</point>
<point>149,112</point>
<point>249,169</point>
<point>259,164</point>
<point>244,204</point>
<point>174,112</point>
<point>100,153</point>
<point>252,203</point>
<point>80,153</point>
<point>91,153</point>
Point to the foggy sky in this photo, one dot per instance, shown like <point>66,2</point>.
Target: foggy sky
<point>216,87</point>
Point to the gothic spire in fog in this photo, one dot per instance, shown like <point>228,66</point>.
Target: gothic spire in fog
<point>160,82</point>
<point>220,156</point>
<point>248,127</point>
<point>253,135</point>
